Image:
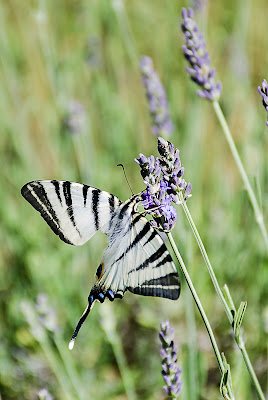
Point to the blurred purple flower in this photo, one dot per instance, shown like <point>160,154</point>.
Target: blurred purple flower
<point>263,90</point>
<point>170,370</point>
<point>93,52</point>
<point>163,179</point>
<point>157,99</point>
<point>196,54</point>
<point>44,394</point>
<point>75,118</point>
<point>46,314</point>
<point>197,5</point>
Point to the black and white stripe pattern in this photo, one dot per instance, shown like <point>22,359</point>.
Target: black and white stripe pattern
<point>136,258</point>
<point>72,210</point>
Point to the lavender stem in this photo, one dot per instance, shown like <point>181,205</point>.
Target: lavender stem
<point>239,339</point>
<point>201,310</point>
<point>241,169</point>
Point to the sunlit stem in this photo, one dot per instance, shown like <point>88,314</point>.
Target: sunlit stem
<point>201,310</point>
<point>241,169</point>
<point>231,315</point>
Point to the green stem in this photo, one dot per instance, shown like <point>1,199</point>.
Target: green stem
<point>220,294</point>
<point>56,368</point>
<point>251,370</point>
<point>200,308</point>
<point>205,256</point>
<point>241,169</point>
<point>76,384</point>
<point>113,338</point>
<point>193,369</point>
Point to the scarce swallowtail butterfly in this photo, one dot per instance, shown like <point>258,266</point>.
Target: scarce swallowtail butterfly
<point>136,258</point>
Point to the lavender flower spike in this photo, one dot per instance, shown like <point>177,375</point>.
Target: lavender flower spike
<point>196,54</point>
<point>263,90</point>
<point>163,179</point>
<point>157,99</point>
<point>170,370</point>
<point>75,118</point>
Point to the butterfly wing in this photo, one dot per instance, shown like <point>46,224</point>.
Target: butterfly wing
<point>138,261</point>
<point>72,210</point>
<point>150,268</point>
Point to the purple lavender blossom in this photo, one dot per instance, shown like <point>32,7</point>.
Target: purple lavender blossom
<point>157,99</point>
<point>46,314</point>
<point>197,5</point>
<point>263,90</point>
<point>196,54</point>
<point>163,179</point>
<point>75,118</point>
<point>93,52</point>
<point>170,370</point>
<point>44,394</point>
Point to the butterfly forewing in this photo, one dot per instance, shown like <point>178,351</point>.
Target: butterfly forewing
<point>73,211</point>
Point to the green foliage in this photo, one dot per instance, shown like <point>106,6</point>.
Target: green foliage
<point>55,51</point>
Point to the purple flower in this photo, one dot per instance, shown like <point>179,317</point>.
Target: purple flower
<point>44,394</point>
<point>46,314</point>
<point>170,370</point>
<point>93,52</point>
<point>163,179</point>
<point>75,118</point>
<point>196,54</point>
<point>263,90</point>
<point>156,95</point>
<point>197,5</point>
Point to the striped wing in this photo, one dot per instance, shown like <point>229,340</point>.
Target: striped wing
<point>136,260</point>
<point>151,271</point>
<point>139,262</point>
<point>72,210</point>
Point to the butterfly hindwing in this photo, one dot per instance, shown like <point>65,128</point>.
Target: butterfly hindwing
<point>154,273</point>
<point>138,260</point>
<point>72,210</point>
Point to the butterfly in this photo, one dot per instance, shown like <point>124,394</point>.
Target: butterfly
<point>136,258</point>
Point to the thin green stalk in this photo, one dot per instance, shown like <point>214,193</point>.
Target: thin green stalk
<point>200,308</point>
<point>239,340</point>
<point>193,370</point>
<point>205,256</point>
<point>194,378</point>
<point>251,371</point>
<point>64,354</point>
<point>108,325</point>
<point>56,367</point>
<point>241,169</point>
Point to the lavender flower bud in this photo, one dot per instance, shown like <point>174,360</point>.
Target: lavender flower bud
<point>263,90</point>
<point>157,100</point>
<point>170,370</point>
<point>163,179</point>
<point>196,54</point>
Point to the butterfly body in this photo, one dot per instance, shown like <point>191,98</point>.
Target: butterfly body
<point>136,258</point>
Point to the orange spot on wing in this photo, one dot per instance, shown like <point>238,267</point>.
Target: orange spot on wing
<point>102,271</point>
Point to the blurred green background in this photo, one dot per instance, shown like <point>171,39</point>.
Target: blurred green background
<point>65,55</point>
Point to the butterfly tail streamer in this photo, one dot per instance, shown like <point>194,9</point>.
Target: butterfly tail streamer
<point>91,301</point>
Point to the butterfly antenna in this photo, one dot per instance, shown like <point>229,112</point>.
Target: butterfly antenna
<point>89,307</point>
<point>121,165</point>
